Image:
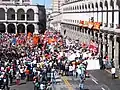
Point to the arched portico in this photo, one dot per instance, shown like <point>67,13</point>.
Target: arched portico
<point>30,14</point>
<point>21,28</point>
<point>10,14</point>
<point>11,28</point>
<point>2,28</point>
<point>20,14</point>
<point>30,28</point>
<point>2,14</point>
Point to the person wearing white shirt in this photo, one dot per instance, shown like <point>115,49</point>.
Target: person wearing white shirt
<point>113,72</point>
<point>70,70</point>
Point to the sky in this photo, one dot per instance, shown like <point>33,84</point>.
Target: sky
<point>41,2</point>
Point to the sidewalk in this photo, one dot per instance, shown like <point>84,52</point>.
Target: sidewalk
<point>117,72</point>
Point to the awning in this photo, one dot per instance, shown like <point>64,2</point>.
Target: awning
<point>81,23</point>
<point>90,25</point>
<point>97,25</point>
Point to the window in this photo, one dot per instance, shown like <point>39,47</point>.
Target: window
<point>23,17</point>
<point>80,6</point>
<point>13,16</point>
<point>77,7</point>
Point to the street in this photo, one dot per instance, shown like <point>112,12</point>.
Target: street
<point>99,80</point>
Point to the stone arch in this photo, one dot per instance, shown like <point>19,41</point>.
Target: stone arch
<point>30,14</point>
<point>10,14</point>
<point>89,6</point>
<point>2,14</point>
<point>77,6</point>
<point>106,4</point>
<point>2,28</point>
<point>92,5</point>
<point>82,6</point>
<point>11,28</point>
<point>73,7</point>
<point>117,2</point>
<point>112,4</point>
<point>85,6</point>
<point>30,28</point>
<point>101,5</point>
<point>20,14</point>
<point>21,28</point>
<point>96,5</point>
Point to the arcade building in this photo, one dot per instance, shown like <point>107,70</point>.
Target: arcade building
<point>97,20</point>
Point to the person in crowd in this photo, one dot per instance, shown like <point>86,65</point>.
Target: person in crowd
<point>70,70</point>
<point>18,77</point>
<point>113,72</point>
<point>53,74</point>
<point>24,55</point>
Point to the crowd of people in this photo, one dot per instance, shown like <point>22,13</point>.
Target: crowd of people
<point>39,58</point>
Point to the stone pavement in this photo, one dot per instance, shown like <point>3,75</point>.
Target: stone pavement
<point>23,86</point>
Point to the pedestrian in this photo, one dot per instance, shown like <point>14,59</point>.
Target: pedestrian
<point>18,76</point>
<point>82,76</point>
<point>70,70</point>
<point>6,80</point>
<point>113,72</point>
<point>53,74</point>
<point>27,72</point>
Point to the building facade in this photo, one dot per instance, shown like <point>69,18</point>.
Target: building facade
<point>18,2</point>
<point>56,5</point>
<point>104,16</point>
<point>22,18</point>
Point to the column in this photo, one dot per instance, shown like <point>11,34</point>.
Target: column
<point>6,27</point>
<point>116,19</point>
<point>36,28</point>
<point>95,15</point>
<point>16,28</point>
<point>116,52</point>
<point>109,19</point>
<point>87,37</point>
<point>36,16</point>
<point>25,28</point>
<point>100,15</point>
<point>104,42</point>
<point>95,35</point>
<point>25,17</point>
<point>5,16</point>
<point>91,37</point>
<point>109,47</point>
<point>99,44</point>
<point>16,16</point>
<point>104,17</point>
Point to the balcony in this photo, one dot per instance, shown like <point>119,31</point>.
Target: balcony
<point>111,25</point>
<point>117,26</point>
<point>105,24</point>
